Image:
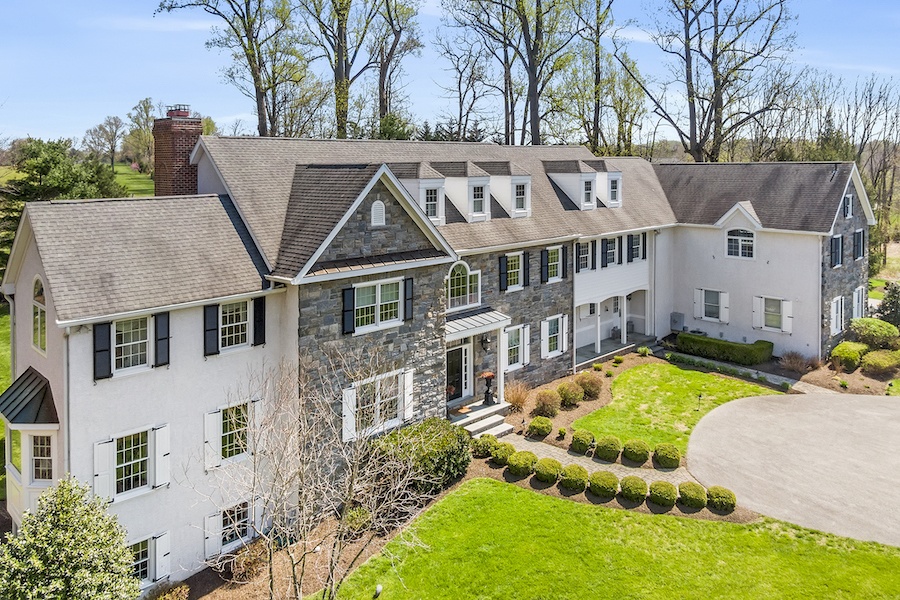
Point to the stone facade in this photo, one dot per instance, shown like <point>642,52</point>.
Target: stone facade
<point>358,238</point>
<point>530,306</point>
<point>844,279</point>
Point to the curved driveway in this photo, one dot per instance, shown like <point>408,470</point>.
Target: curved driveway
<point>825,461</point>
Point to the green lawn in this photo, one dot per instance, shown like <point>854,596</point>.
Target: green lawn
<point>7,173</point>
<point>137,184</point>
<point>658,403</point>
<point>491,539</point>
<point>876,288</point>
<point>5,380</point>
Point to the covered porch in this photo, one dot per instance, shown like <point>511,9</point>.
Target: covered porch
<point>615,324</point>
<point>609,348</point>
<point>474,347</point>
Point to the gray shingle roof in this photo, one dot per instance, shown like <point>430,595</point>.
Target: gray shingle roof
<point>260,171</point>
<point>793,196</point>
<point>320,196</point>
<point>104,257</point>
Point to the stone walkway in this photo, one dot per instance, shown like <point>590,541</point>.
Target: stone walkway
<point>542,450</point>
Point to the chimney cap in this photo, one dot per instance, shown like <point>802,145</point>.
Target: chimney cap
<point>178,110</point>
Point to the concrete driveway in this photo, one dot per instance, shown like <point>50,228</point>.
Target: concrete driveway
<point>826,461</point>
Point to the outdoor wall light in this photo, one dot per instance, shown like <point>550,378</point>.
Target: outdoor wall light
<point>485,342</point>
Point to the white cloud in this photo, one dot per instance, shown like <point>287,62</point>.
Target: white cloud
<point>159,23</point>
<point>632,34</point>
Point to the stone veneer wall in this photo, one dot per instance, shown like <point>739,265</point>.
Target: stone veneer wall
<point>417,344</point>
<point>842,280</point>
<point>529,305</point>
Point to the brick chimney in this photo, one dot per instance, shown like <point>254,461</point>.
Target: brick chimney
<point>174,138</point>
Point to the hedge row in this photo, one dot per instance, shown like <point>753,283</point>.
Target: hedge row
<point>758,352</point>
<point>609,447</point>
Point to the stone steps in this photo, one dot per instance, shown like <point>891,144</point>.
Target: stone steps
<point>480,419</point>
<point>477,427</point>
<point>498,431</point>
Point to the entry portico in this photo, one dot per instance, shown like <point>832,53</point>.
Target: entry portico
<point>471,335</point>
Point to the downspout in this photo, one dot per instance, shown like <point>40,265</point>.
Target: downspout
<point>68,457</point>
<point>12,337</point>
<point>574,320</point>
<point>821,327</point>
<point>652,307</point>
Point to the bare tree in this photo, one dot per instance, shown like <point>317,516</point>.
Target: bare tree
<point>720,51</point>
<point>396,36</point>
<point>103,140</point>
<point>468,60</point>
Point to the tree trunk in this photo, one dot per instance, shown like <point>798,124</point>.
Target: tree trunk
<point>341,73</point>
<point>692,147</point>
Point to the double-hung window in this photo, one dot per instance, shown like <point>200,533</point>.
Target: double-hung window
<point>554,336</point>
<point>235,523</point>
<point>517,347</point>
<point>740,243</point>
<point>773,314</point>
<point>615,191</point>
<point>41,458</point>
<point>514,271</point>
<point>859,302</point>
<point>377,305</point>
<point>588,192</point>
<point>377,404</point>
<point>858,244</point>
<point>711,305</point>
<point>150,559</point>
<point>837,315</point>
<point>132,343</point>
<point>478,199</point>
<point>234,324</point>
<point>132,462</point>
<point>39,317</point>
<point>234,430</point>
<point>634,247</point>
<point>520,196</point>
<point>140,566</point>
<point>431,202</point>
<point>837,251</point>
<point>554,263</point>
<point>847,206</point>
<point>608,246</point>
<point>583,256</point>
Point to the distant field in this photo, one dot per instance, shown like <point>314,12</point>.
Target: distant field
<point>137,184</point>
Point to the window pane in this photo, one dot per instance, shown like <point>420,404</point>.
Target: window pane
<point>553,263</point>
<point>456,287</point>
<point>141,565</point>
<point>431,198</point>
<point>40,451</point>
<point>513,340</point>
<point>234,430</point>
<point>389,309</point>
<point>15,454</point>
<point>234,324</point>
<point>520,196</point>
<point>131,462</point>
<point>711,304</point>
<point>473,288</point>
<point>235,523</point>
<point>513,264</point>
<point>365,305</point>
<point>131,343</point>
<point>773,313</point>
<point>553,335</point>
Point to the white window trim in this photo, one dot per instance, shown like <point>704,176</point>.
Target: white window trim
<point>635,252</point>
<point>759,314</point>
<point>700,306</point>
<point>246,343</point>
<point>31,458</point>
<point>862,243</point>
<point>592,203</point>
<point>840,261</point>
<point>738,255</point>
<point>43,312</point>
<point>614,244</point>
<point>378,217</point>
<point>847,205</point>
<point>587,256</point>
<point>233,545</point>
<point>521,270</point>
<point>468,277</point>
<point>837,315</point>
<point>859,302</point>
<point>524,347</point>
<point>158,547</point>
<point>380,325</point>
<point>147,366</point>
<point>618,201</point>
<point>485,213</point>
<point>404,405</point>
<point>250,424</point>
<point>558,264</point>
<point>563,345</point>
<point>526,210</point>
<point>158,463</point>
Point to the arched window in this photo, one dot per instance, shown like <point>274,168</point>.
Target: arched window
<point>740,243</point>
<point>463,287</point>
<point>378,213</point>
<point>39,317</point>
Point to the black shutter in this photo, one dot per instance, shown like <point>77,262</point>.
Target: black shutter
<point>102,351</point>
<point>259,321</point>
<point>630,248</point>
<point>545,265</point>
<point>565,262</point>
<point>593,255</point>
<point>349,318</point>
<point>604,248</point>
<point>210,329</point>
<point>526,269</point>
<point>620,249</point>
<point>161,339</point>
<point>644,246</point>
<point>408,298</point>
<point>578,258</point>
<point>503,273</point>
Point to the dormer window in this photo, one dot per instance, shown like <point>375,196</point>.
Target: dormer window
<point>431,203</point>
<point>615,190</point>
<point>520,196</point>
<point>478,199</point>
<point>588,192</point>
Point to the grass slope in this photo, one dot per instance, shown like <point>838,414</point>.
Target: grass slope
<point>137,184</point>
<point>5,380</point>
<point>494,540</point>
<point>7,173</point>
<point>876,288</point>
<point>658,403</point>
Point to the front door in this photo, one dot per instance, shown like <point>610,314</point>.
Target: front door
<point>459,377</point>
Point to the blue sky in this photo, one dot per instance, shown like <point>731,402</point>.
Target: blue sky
<point>65,65</point>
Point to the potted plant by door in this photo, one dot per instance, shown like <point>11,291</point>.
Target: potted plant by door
<point>488,377</point>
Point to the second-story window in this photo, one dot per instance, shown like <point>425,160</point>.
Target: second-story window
<point>234,324</point>
<point>514,271</point>
<point>131,343</point>
<point>554,261</point>
<point>39,317</point>
<point>478,199</point>
<point>520,196</point>
<point>431,202</point>
<point>740,243</point>
<point>584,257</point>
<point>378,304</point>
<point>463,287</point>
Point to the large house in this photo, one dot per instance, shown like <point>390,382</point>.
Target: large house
<point>135,321</point>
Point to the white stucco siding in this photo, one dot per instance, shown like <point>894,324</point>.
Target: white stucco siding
<point>614,280</point>
<point>178,395</point>
<point>663,272</point>
<point>785,266</point>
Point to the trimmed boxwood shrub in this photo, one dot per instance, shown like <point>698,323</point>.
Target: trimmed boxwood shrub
<point>574,478</point>
<point>721,499</point>
<point>633,488</point>
<point>879,362</point>
<point>591,383</point>
<point>546,403</point>
<point>692,495</point>
<point>849,354</point>
<point>607,448</point>
<point>501,453</point>
<point>521,463</point>
<point>482,446</point>
<point>759,351</point>
<point>582,440</point>
<point>439,451</point>
<point>540,426</point>
<point>667,456</point>
<point>570,393</point>
<point>636,450</point>
<point>547,470</point>
<point>663,493</point>
<point>873,332</point>
<point>604,484</point>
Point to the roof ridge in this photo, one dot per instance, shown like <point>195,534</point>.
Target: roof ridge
<point>122,199</point>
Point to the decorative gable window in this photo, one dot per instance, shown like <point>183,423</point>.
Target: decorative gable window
<point>229,325</point>
<point>615,190</point>
<point>463,287</point>
<point>39,317</point>
<point>377,305</point>
<point>377,404</point>
<point>378,218</point>
<point>773,314</point>
<point>837,251</point>
<point>740,243</point>
<point>711,305</point>
<point>132,463</point>
<point>858,244</point>
<point>847,206</point>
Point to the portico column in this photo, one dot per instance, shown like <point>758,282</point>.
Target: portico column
<point>623,319</point>
<point>598,329</point>
<point>502,352</point>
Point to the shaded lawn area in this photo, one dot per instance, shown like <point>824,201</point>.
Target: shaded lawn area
<point>137,184</point>
<point>659,403</point>
<point>491,539</point>
<point>5,380</point>
<point>876,288</point>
